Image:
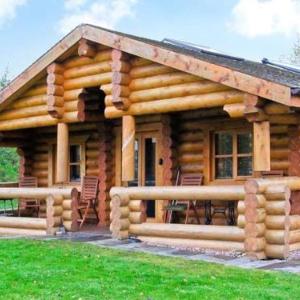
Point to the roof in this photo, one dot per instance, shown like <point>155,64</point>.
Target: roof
<point>257,69</point>
<point>263,80</point>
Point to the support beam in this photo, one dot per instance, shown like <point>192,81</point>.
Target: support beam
<point>261,146</point>
<point>62,153</point>
<point>128,135</point>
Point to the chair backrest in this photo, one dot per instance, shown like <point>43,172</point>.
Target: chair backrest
<point>191,179</point>
<point>28,181</point>
<point>89,188</point>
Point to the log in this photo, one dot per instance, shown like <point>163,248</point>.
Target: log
<point>278,237</point>
<point>278,207</point>
<point>278,222</point>
<point>137,217</point>
<point>36,90</point>
<point>86,70</point>
<point>128,140</point>
<point>174,91</point>
<point>87,49</point>
<point>198,244</point>
<point>162,81</point>
<point>235,110</point>
<point>33,193</point>
<point>24,112</point>
<point>29,102</point>
<point>190,147</point>
<point>21,232</point>
<point>233,193</point>
<point>281,153</point>
<point>62,170</point>
<point>137,206</point>
<point>276,109</point>
<point>203,232</point>
<point>277,251</point>
<point>23,223</point>
<point>88,81</point>
<point>178,104</point>
<point>36,121</point>
<point>149,70</point>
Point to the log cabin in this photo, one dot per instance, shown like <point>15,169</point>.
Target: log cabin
<point>139,114</point>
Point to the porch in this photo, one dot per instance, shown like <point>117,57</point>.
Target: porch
<point>265,228</point>
<point>58,204</point>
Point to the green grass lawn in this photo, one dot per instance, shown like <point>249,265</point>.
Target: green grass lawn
<point>65,270</point>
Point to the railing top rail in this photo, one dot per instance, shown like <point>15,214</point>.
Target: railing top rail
<point>261,184</point>
<point>36,193</point>
<point>229,192</point>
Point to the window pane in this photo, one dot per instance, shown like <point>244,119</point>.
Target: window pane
<point>224,168</point>
<point>74,153</point>
<point>244,166</point>
<point>223,143</point>
<point>75,173</point>
<point>244,143</point>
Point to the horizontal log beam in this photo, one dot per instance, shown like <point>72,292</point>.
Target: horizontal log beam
<point>230,192</point>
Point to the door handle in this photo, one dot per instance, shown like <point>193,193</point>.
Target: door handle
<point>160,161</point>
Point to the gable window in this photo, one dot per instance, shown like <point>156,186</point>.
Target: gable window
<point>232,154</point>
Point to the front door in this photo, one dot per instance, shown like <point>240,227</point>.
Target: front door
<point>147,168</point>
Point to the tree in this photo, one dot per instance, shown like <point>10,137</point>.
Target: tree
<point>4,79</point>
<point>294,56</point>
<point>9,159</point>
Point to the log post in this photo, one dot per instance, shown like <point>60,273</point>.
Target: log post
<point>261,146</point>
<point>62,155</point>
<point>119,216</point>
<point>70,214</point>
<point>277,234</point>
<point>120,79</point>
<point>255,214</point>
<point>55,90</point>
<point>54,213</point>
<point>128,139</point>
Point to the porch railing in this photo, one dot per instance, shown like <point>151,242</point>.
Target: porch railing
<point>128,216</point>
<point>60,209</point>
<point>265,227</point>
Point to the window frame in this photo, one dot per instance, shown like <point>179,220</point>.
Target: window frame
<point>81,141</point>
<point>81,162</point>
<point>235,155</point>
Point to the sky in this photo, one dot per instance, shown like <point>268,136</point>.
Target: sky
<point>248,28</point>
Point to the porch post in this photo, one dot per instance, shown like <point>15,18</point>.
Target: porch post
<point>62,153</point>
<point>128,137</point>
<point>261,146</point>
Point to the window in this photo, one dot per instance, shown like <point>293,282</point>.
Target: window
<point>75,160</point>
<point>232,154</point>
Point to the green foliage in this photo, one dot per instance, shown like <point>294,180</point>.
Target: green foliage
<point>4,80</point>
<point>9,164</point>
<point>65,270</point>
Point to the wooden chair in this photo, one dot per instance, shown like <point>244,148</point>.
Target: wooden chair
<point>28,182</point>
<point>191,179</point>
<point>88,198</point>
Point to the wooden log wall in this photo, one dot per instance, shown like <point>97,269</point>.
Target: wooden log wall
<point>83,72</point>
<point>155,88</point>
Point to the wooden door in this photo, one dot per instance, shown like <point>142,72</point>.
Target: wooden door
<point>148,169</point>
